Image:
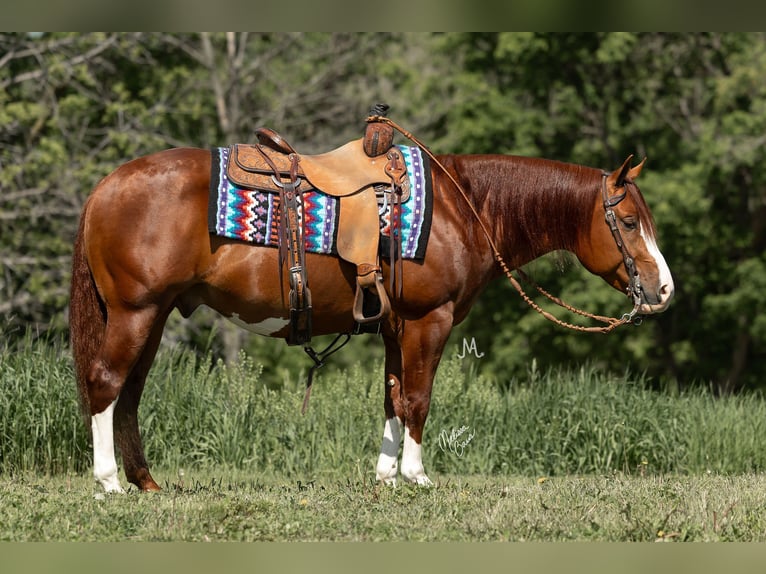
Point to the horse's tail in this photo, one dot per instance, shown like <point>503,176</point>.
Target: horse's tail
<point>87,316</point>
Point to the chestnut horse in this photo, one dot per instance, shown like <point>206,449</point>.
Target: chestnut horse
<point>143,249</point>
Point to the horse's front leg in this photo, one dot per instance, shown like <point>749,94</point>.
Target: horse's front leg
<point>388,460</point>
<point>422,344</point>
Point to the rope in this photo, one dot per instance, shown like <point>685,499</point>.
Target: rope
<point>611,322</point>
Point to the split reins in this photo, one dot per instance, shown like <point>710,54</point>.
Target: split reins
<point>634,287</point>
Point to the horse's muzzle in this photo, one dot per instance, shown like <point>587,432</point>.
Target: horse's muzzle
<point>658,301</point>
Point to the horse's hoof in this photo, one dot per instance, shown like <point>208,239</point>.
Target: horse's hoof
<point>150,486</point>
<point>144,481</point>
<point>387,481</point>
<point>420,480</point>
<point>111,484</point>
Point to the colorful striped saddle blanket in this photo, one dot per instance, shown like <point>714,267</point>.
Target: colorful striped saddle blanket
<point>253,216</point>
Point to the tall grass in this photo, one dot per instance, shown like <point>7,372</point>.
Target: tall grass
<point>196,413</point>
<point>584,421</point>
<point>41,427</point>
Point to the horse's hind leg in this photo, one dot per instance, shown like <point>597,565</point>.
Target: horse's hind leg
<point>127,434</point>
<point>126,335</point>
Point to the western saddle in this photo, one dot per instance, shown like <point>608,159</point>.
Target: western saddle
<point>350,173</point>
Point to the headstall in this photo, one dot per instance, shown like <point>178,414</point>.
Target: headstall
<point>634,281</point>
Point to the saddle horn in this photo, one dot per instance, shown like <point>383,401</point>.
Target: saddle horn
<point>378,137</point>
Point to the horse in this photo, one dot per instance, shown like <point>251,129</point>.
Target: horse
<point>140,254</point>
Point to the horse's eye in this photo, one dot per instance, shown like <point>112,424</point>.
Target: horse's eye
<point>630,223</point>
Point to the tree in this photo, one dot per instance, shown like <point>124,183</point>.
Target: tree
<point>75,106</point>
<point>694,104</point>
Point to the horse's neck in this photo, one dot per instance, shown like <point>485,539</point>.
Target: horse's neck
<point>531,206</point>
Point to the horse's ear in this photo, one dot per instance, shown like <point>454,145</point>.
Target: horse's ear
<point>636,171</point>
<point>621,173</point>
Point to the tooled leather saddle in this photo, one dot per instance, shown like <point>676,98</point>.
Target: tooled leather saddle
<point>350,173</point>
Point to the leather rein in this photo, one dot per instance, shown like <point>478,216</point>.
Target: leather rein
<point>634,286</point>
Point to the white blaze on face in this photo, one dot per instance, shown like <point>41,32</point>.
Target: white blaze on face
<point>104,462</point>
<point>666,279</point>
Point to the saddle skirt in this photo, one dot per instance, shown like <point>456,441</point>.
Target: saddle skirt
<point>253,215</point>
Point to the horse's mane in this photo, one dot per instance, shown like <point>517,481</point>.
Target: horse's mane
<point>535,202</point>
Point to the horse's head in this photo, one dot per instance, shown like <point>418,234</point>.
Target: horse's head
<point>622,247</point>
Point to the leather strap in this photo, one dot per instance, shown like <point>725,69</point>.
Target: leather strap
<point>292,239</point>
<point>396,169</point>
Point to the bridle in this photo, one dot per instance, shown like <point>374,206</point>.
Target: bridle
<point>634,281</point>
<point>634,286</point>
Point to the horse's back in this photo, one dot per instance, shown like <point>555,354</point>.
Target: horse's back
<point>172,169</point>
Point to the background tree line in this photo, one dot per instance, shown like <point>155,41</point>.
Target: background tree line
<point>73,106</point>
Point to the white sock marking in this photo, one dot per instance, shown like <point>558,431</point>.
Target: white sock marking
<point>412,461</point>
<point>104,462</point>
<point>389,452</point>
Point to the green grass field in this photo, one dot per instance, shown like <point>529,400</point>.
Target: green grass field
<point>561,455</point>
<point>237,506</point>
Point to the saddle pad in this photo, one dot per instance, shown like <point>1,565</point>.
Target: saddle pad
<point>253,216</point>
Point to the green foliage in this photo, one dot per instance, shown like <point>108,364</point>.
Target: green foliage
<point>580,422</point>
<point>73,106</point>
<point>560,455</point>
<point>694,104</point>
<point>40,423</point>
<point>200,413</point>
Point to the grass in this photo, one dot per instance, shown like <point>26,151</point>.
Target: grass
<point>562,455</point>
<point>200,414</point>
<point>241,507</point>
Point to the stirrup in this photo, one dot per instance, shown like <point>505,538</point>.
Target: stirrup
<point>359,301</point>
